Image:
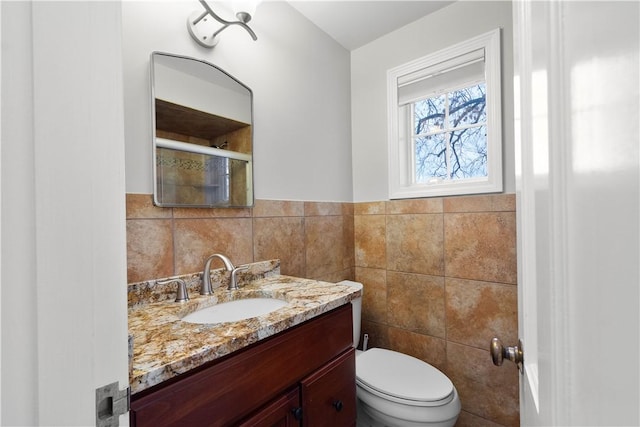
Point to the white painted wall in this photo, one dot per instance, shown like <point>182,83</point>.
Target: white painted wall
<point>300,82</point>
<point>369,65</point>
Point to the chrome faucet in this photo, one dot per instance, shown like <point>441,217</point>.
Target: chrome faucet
<point>228,265</point>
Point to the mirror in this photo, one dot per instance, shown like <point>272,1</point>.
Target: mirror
<point>202,134</point>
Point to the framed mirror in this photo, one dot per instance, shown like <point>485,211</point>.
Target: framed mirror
<point>202,134</point>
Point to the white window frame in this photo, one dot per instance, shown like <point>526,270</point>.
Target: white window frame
<point>402,184</point>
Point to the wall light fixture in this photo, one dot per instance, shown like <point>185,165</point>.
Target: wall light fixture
<point>205,31</point>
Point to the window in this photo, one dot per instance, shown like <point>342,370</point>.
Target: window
<point>445,122</point>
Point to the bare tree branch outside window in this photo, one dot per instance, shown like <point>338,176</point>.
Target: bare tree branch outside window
<point>451,135</point>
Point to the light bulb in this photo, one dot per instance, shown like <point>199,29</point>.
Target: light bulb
<point>244,9</point>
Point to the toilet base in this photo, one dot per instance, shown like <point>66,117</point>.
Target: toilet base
<point>365,420</point>
<point>368,416</point>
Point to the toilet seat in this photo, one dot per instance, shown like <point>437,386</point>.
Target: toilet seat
<point>402,378</point>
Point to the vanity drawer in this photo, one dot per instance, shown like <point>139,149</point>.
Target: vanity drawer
<point>225,391</point>
<point>283,412</point>
<point>329,394</point>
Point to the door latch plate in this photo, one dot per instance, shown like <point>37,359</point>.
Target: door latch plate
<point>111,402</point>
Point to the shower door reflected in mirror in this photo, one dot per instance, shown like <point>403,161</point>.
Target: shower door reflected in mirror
<point>202,134</point>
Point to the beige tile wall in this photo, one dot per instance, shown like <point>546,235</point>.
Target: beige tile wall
<point>439,281</point>
<point>312,239</point>
<point>439,274</point>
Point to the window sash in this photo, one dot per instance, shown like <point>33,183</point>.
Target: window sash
<point>447,127</point>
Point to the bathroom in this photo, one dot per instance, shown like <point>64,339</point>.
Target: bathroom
<point>315,239</point>
<point>298,64</point>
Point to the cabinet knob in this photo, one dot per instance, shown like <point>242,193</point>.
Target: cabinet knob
<point>338,405</point>
<point>297,413</point>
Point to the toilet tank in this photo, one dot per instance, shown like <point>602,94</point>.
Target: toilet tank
<point>356,305</point>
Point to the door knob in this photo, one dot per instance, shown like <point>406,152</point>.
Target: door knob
<point>499,353</point>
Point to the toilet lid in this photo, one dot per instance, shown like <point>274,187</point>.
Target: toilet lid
<point>401,376</point>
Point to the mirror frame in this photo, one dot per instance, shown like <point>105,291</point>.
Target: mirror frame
<point>195,148</point>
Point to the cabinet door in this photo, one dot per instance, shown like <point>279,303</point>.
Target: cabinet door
<point>284,411</point>
<point>329,394</point>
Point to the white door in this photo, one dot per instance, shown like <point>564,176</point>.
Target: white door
<point>577,166</point>
<point>64,309</point>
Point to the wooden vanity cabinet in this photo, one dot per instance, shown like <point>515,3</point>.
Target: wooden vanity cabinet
<point>304,376</point>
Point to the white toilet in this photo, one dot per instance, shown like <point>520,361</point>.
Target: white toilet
<point>397,390</point>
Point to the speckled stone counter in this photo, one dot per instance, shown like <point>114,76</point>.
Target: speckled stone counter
<point>165,347</point>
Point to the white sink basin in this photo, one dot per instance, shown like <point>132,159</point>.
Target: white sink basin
<point>233,311</point>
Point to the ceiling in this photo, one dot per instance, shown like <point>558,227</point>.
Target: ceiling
<point>354,23</point>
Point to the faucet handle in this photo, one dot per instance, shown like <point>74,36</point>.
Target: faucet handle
<point>182,295</point>
<point>233,281</point>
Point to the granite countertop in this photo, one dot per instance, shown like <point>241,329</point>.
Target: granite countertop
<point>165,347</point>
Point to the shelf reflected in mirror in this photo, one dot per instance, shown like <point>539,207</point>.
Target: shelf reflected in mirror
<point>202,135</point>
